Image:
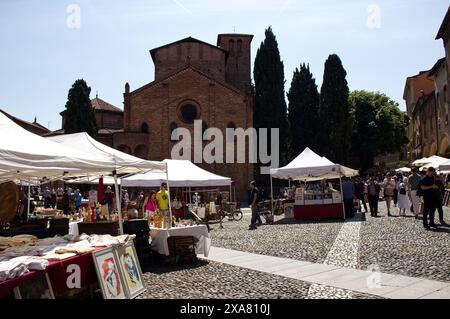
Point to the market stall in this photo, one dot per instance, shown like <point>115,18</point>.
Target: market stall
<point>25,258</point>
<point>182,174</point>
<point>315,197</point>
<point>123,163</point>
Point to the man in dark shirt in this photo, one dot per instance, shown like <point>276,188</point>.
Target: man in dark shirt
<point>441,191</point>
<point>430,192</point>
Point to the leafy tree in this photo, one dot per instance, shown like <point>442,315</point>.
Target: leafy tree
<point>80,116</point>
<point>270,110</point>
<point>379,126</point>
<point>335,117</point>
<point>303,114</point>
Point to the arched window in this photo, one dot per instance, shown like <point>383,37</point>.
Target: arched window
<point>231,46</point>
<point>144,128</point>
<point>239,46</point>
<point>173,126</point>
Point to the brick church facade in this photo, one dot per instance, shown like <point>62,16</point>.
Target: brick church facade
<point>194,80</point>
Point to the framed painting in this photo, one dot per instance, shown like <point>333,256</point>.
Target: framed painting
<point>109,275</point>
<point>38,287</point>
<point>131,270</point>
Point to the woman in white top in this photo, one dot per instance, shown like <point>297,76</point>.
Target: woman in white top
<point>403,201</point>
<point>389,186</point>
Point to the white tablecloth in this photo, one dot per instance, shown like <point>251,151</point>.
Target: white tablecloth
<point>73,228</point>
<point>159,238</point>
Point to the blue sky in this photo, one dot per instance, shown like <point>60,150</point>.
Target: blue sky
<point>41,56</point>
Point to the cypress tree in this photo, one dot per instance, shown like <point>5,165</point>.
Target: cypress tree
<point>335,117</point>
<point>270,110</point>
<point>303,98</point>
<point>80,116</point>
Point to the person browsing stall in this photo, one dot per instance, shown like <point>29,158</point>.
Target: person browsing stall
<point>162,198</point>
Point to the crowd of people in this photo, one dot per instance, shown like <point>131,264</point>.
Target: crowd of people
<point>414,193</point>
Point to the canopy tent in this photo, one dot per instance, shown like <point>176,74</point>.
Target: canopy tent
<point>181,173</point>
<point>308,166</point>
<point>444,167</point>
<point>123,162</point>
<point>94,180</point>
<point>403,170</point>
<point>427,160</point>
<point>434,161</point>
<point>27,156</point>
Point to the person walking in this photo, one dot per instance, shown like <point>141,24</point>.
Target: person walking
<point>348,191</point>
<point>109,199</point>
<point>360,189</point>
<point>441,191</point>
<point>253,202</point>
<point>150,206</point>
<point>78,200</point>
<point>430,193</point>
<point>403,201</point>
<point>396,183</point>
<point>388,186</point>
<point>413,184</point>
<point>47,197</point>
<point>373,190</point>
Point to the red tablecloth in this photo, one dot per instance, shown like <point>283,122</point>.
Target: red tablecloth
<point>57,271</point>
<point>319,211</point>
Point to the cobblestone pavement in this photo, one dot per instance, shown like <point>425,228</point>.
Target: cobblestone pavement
<point>212,280</point>
<point>401,245</point>
<point>398,245</point>
<point>309,241</point>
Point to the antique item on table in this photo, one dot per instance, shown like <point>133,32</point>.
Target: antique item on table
<point>109,275</point>
<point>10,199</point>
<point>131,270</point>
<point>38,287</point>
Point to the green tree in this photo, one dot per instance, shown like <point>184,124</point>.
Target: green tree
<point>379,126</point>
<point>270,110</point>
<point>80,116</point>
<point>303,98</point>
<point>335,117</point>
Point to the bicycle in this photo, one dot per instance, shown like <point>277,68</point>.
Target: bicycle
<point>230,210</point>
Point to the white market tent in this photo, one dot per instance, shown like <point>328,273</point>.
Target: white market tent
<point>435,161</point>
<point>30,157</point>
<point>444,167</point>
<point>123,163</point>
<point>107,180</point>
<point>308,166</point>
<point>403,170</point>
<point>181,173</point>
<point>430,160</point>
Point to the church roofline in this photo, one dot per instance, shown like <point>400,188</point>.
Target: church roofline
<point>188,39</point>
<point>153,83</point>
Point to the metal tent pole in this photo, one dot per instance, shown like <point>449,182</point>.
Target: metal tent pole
<point>342,197</point>
<point>119,208</point>
<point>28,200</point>
<point>271,195</point>
<point>168,191</point>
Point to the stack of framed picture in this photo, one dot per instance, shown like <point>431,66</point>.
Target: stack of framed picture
<point>119,272</point>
